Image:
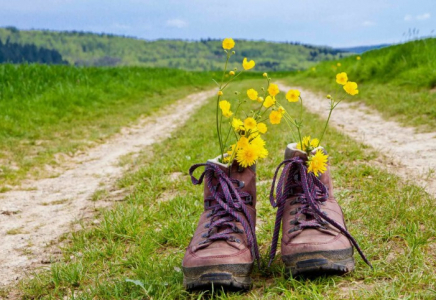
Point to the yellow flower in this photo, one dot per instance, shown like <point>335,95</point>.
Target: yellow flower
<point>351,88</point>
<point>358,57</point>
<point>306,143</point>
<point>259,144</point>
<point>220,93</point>
<point>314,143</point>
<point>260,99</point>
<point>317,163</point>
<point>227,113</point>
<point>231,73</point>
<point>269,101</point>
<point>265,75</point>
<point>281,110</point>
<point>329,96</point>
<point>250,123</point>
<point>224,105</point>
<point>237,124</point>
<point>252,94</point>
<point>243,142</point>
<point>338,64</point>
<point>262,127</point>
<point>228,43</point>
<point>273,89</point>
<point>342,78</point>
<point>247,65</point>
<point>225,108</point>
<point>275,117</point>
<point>293,95</point>
<point>314,69</point>
<point>247,156</point>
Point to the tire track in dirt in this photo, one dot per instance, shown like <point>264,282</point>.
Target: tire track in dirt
<point>33,218</point>
<point>413,154</point>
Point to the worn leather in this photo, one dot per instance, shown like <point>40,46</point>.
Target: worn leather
<point>312,239</point>
<point>221,252</point>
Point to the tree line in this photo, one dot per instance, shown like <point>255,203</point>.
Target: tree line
<point>28,53</point>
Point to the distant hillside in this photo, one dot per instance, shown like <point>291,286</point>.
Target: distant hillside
<point>82,48</point>
<point>16,53</point>
<point>361,49</point>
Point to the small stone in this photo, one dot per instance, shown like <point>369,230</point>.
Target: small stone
<point>96,222</point>
<point>177,269</point>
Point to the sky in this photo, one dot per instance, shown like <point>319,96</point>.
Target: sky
<point>336,23</point>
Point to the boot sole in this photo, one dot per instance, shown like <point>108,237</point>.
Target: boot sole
<point>312,264</point>
<point>230,277</point>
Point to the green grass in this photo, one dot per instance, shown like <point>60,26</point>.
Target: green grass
<point>137,249</point>
<point>45,110</point>
<point>399,81</point>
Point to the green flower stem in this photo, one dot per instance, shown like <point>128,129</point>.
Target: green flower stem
<point>218,128</point>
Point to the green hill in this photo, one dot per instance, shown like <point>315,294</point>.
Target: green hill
<point>399,81</point>
<point>82,48</point>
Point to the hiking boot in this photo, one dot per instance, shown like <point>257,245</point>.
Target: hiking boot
<point>314,237</point>
<point>224,247</point>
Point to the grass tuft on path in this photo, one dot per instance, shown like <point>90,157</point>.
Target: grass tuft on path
<point>136,250</point>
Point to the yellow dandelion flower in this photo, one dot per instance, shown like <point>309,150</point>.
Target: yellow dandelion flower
<point>231,73</point>
<point>250,123</point>
<point>317,163</point>
<point>269,101</point>
<point>265,75</point>
<point>275,117</point>
<point>259,145</point>
<point>293,95</point>
<point>273,89</point>
<point>247,156</point>
<point>306,143</point>
<point>342,78</point>
<point>243,142</point>
<point>220,93</point>
<point>338,64</point>
<point>262,127</point>
<point>260,99</point>
<point>351,88</point>
<point>247,65</point>
<point>252,94</point>
<point>281,110</point>
<point>314,143</point>
<point>237,124</point>
<point>228,43</point>
<point>358,58</point>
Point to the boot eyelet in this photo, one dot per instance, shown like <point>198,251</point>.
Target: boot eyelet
<point>205,235</point>
<point>238,241</point>
<point>241,184</point>
<point>207,225</point>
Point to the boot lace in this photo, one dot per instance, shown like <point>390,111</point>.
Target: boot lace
<point>314,193</point>
<point>231,203</point>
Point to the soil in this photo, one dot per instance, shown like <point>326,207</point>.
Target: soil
<point>33,218</point>
<point>403,150</point>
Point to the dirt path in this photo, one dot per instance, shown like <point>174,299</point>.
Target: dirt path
<point>413,154</point>
<point>32,218</point>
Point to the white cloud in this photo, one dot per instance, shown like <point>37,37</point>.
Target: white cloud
<point>176,23</point>
<point>418,17</point>
<point>408,18</point>
<point>423,16</point>
<point>368,23</point>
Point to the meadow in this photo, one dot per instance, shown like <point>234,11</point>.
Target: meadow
<point>136,250</point>
<point>47,110</point>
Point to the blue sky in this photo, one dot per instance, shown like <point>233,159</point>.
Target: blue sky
<point>320,22</point>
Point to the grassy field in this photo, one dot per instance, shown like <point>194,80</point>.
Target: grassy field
<point>45,110</point>
<point>399,81</point>
<point>136,250</point>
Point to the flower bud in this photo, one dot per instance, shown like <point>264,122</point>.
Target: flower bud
<point>235,69</point>
<point>236,93</point>
<point>231,73</point>
<point>262,88</point>
<point>329,96</point>
<point>233,52</point>
<point>265,75</point>
<point>220,93</point>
